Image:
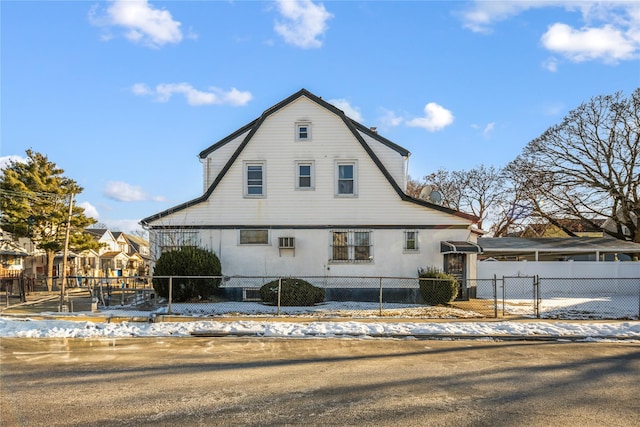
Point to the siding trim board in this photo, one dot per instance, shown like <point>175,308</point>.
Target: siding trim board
<point>353,127</point>
<point>308,227</point>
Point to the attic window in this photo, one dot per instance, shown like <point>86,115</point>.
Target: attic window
<point>303,131</point>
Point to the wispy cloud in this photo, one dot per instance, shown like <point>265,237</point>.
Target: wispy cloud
<point>164,91</point>
<point>125,225</point>
<point>303,23</point>
<point>611,30</point>
<point>390,119</point>
<point>142,22</point>
<point>351,111</point>
<point>435,118</point>
<point>124,192</point>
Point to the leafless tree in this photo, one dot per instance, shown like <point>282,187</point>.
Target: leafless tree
<point>587,167</point>
<point>477,191</point>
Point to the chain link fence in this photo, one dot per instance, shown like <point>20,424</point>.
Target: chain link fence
<point>343,297</point>
<point>589,298</point>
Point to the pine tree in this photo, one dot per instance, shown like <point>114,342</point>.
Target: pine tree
<point>34,203</point>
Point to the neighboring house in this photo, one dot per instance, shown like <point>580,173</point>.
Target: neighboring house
<point>139,253</point>
<point>586,258</point>
<point>557,249</point>
<point>304,190</point>
<point>566,228</point>
<point>12,258</point>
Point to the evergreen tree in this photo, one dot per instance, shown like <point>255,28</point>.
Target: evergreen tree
<point>35,204</point>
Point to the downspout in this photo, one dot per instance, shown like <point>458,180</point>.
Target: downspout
<point>406,173</point>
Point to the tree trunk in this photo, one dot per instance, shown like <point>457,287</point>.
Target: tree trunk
<point>50,257</point>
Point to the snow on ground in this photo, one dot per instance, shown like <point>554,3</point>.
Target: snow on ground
<point>371,325</point>
<point>27,328</point>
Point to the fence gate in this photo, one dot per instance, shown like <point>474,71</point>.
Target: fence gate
<point>520,295</point>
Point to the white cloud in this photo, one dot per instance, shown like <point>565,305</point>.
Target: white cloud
<point>390,119</point>
<point>304,22</point>
<point>89,210</point>
<point>611,32</point>
<point>488,129</point>
<point>349,110</point>
<point>142,22</point>
<point>125,225</point>
<point>194,97</point>
<point>141,89</point>
<point>551,64</point>
<point>436,118</point>
<point>606,43</point>
<point>123,192</point>
<point>5,160</point>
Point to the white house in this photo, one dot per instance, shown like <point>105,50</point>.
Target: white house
<point>304,190</point>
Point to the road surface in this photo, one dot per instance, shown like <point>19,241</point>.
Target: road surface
<point>322,382</point>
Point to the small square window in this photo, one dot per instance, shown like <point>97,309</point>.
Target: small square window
<point>411,241</point>
<point>303,131</point>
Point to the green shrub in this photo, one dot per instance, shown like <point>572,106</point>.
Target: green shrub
<point>437,287</point>
<point>187,261</point>
<point>294,292</point>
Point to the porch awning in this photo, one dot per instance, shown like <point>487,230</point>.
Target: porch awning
<point>452,247</point>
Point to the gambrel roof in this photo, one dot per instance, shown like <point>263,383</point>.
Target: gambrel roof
<point>354,127</point>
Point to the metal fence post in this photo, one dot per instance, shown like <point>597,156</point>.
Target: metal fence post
<point>279,293</point>
<point>495,296</point>
<point>504,293</point>
<point>536,295</point>
<point>380,296</point>
<point>170,294</point>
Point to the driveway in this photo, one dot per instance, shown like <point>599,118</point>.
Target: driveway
<point>341,382</point>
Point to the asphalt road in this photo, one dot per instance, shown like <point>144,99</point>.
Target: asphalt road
<point>323,382</point>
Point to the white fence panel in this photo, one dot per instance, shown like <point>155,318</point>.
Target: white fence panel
<point>564,269</point>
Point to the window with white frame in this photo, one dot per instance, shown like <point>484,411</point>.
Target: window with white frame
<point>254,237</point>
<point>411,241</point>
<point>303,131</point>
<point>254,179</point>
<point>351,246</point>
<point>305,175</point>
<point>346,178</point>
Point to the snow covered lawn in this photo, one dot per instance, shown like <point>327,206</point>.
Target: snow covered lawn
<point>326,329</point>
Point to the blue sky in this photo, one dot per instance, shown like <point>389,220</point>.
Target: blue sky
<point>123,95</point>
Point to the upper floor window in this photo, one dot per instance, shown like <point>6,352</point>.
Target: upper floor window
<point>346,184</point>
<point>411,241</point>
<point>303,131</point>
<point>305,176</point>
<point>254,179</point>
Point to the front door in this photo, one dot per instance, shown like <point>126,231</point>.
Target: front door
<point>455,264</point>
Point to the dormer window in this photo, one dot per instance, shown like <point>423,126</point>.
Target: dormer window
<point>303,131</point>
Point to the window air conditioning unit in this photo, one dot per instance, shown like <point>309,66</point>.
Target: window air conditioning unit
<point>286,242</point>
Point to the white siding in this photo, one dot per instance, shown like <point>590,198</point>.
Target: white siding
<point>212,165</point>
<point>392,160</point>
<point>309,215</point>
<point>377,203</point>
<point>312,253</point>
